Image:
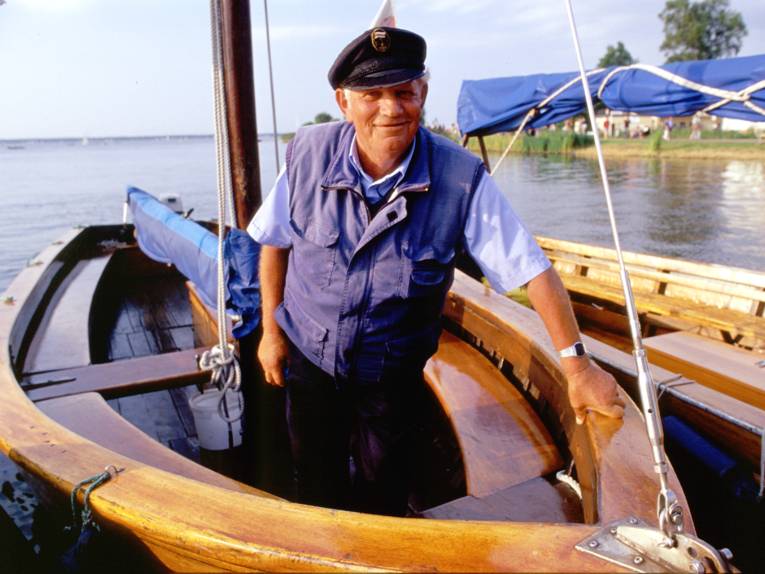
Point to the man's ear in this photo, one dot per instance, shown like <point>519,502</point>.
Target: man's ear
<point>342,101</point>
<point>424,92</point>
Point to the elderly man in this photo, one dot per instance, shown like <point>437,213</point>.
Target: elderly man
<point>360,235</point>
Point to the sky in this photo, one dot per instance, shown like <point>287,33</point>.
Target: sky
<point>107,68</point>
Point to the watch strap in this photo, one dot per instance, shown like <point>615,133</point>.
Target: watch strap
<point>576,350</point>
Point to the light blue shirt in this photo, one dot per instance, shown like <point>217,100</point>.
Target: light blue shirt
<point>494,237</point>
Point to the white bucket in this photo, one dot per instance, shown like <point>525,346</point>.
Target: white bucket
<point>214,432</point>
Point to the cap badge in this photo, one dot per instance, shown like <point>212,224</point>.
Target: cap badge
<point>380,40</point>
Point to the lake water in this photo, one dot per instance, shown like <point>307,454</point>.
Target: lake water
<point>702,210</point>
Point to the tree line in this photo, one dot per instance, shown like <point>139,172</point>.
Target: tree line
<point>700,30</point>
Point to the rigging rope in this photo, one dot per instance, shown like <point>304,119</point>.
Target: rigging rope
<point>271,82</point>
<point>726,96</point>
<point>670,513</point>
<point>533,111</point>
<point>221,359</point>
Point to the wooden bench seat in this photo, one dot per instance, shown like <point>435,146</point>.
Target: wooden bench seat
<point>119,378</point>
<point>61,340</point>
<point>536,500</point>
<point>92,418</point>
<point>503,441</point>
<point>735,372</point>
<point>736,323</point>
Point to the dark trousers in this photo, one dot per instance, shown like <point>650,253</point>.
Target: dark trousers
<point>372,421</point>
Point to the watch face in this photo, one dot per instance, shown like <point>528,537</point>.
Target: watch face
<point>579,349</point>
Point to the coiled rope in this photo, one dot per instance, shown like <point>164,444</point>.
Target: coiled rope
<point>221,360</point>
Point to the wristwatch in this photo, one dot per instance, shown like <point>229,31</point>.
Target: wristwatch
<point>576,350</point>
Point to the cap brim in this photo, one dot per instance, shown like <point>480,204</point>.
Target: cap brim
<point>383,79</point>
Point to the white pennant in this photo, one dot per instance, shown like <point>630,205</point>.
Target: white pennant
<point>385,15</point>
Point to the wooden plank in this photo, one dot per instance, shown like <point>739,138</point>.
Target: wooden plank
<point>89,416</point>
<point>503,441</point>
<point>710,270</point>
<point>62,338</point>
<point>732,371</point>
<point>120,378</point>
<point>535,500</point>
<point>180,398</point>
<point>723,319</point>
<point>713,286</point>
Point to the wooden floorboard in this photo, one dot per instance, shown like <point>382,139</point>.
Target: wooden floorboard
<point>180,398</point>
<point>154,414</point>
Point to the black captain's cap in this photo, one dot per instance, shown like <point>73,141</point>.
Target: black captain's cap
<point>379,57</point>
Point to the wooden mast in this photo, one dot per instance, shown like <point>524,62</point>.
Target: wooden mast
<point>265,434</point>
<point>240,104</point>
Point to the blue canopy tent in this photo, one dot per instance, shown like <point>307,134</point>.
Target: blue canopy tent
<point>733,87</point>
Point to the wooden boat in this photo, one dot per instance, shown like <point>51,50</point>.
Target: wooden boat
<point>92,320</point>
<point>61,324</point>
<point>704,321</point>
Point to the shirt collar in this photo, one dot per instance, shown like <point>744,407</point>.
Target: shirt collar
<point>366,180</point>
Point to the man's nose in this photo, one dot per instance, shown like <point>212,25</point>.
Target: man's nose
<point>391,106</point>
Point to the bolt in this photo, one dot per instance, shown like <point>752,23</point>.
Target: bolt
<point>613,531</point>
<point>697,567</point>
<point>638,560</point>
<point>592,544</point>
<point>632,520</point>
<point>726,553</point>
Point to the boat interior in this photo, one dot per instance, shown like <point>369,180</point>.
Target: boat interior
<point>105,343</point>
<point>113,359</point>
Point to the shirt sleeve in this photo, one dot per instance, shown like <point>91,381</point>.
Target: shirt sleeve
<point>271,223</point>
<point>506,252</point>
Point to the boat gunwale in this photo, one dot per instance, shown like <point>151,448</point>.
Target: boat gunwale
<point>346,539</point>
<point>714,271</point>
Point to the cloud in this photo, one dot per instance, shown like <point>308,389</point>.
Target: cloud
<point>448,6</point>
<point>298,32</point>
<point>53,5</point>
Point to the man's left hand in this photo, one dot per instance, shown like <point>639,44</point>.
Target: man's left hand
<point>592,388</point>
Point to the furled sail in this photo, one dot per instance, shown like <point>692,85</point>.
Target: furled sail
<point>167,237</point>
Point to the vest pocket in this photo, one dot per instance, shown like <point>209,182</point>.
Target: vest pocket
<point>428,273</point>
<point>410,352</point>
<point>315,249</point>
<point>309,336</point>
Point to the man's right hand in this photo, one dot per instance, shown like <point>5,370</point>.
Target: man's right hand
<point>273,353</point>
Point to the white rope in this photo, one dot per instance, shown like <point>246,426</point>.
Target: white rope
<point>518,132</point>
<point>221,360</point>
<point>726,96</point>
<point>532,112</point>
<point>271,83</point>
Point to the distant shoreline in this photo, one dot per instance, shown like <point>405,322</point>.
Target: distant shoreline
<point>678,148</point>
<point>95,139</point>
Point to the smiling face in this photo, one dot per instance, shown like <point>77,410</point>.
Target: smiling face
<point>386,122</point>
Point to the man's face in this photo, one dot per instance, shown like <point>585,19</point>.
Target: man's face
<point>386,119</point>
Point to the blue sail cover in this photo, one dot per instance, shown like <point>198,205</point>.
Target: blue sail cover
<point>167,237</point>
<point>500,104</point>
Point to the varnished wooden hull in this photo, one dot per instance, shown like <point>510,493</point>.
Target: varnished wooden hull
<point>187,525</point>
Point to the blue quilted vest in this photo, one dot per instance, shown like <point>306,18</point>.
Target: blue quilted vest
<point>364,294</point>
